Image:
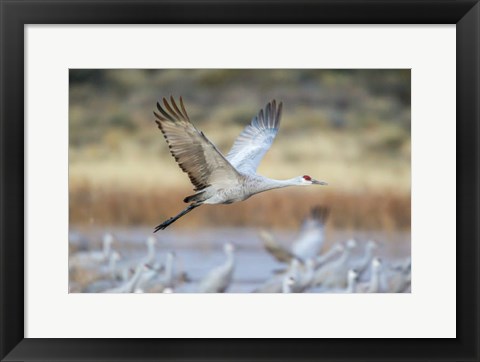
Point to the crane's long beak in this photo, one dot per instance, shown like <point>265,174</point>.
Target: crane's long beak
<point>316,182</point>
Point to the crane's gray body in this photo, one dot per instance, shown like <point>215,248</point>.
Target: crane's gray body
<point>246,186</point>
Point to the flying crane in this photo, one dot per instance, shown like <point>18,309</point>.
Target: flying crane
<point>218,179</point>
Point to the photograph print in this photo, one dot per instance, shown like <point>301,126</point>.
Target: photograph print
<point>239,181</point>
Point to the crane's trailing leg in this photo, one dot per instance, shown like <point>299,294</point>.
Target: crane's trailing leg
<point>166,223</point>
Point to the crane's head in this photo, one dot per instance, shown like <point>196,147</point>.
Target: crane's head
<point>228,248</point>
<point>108,239</point>
<point>308,180</point>
<point>151,240</point>
<point>372,245</point>
<point>338,248</point>
<point>289,280</point>
<point>352,275</point>
<point>376,264</point>
<point>115,256</point>
<point>351,243</point>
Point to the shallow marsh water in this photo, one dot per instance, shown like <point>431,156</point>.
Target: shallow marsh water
<point>198,251</point>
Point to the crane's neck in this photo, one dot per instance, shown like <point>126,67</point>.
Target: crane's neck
<point>150,253</point>
<point>132,283</point>
<point>230,259</point>
<point>375,280</point>
<point>351,284</point>
<point>367,259</point>
<point>308,276</point>
<point>345,256</point>
<point>327,255</point>
<point>286,286</point>
<point>169,269</point>
<point>106,249</point>
<point>112,265</point>
<point>265,183</point>
<point>368,254</point>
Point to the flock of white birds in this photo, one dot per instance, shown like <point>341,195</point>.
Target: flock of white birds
<point>348,267</point>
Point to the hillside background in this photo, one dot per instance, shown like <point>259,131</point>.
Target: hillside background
<point>350,128</point>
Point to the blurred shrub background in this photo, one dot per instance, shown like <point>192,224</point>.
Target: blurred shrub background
<point>350,128</point>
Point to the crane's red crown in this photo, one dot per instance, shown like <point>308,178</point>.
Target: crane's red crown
<point>306,177</point>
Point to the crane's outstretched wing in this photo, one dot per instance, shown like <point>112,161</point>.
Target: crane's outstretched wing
<point>311,236</point>
<point>194,153</point>
<point>278,251</point>
<point>255,140</point>
<point>315,221</point>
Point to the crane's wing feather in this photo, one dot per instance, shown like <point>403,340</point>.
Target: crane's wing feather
<point>194,153</point>
<point>255,140</point>
<point>316,220</point>
<point>277,250</point>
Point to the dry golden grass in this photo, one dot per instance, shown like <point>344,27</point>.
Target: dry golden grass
<point>349,128</point>
<point>347,161</point>
<point>109,205</point>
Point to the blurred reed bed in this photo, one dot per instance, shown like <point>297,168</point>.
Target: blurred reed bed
<point>100,205</point>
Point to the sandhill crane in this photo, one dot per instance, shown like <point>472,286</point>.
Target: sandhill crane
<point>131,285</point>
<point>150,258</point>
<point>376,283</point>
<point>218,280</point>
<point>153,282</point>
<point>218,179</point>
<point>361,264</point>
<point>287,284</point>
<point>304,280</point>
<point>106,279</point>
<point>87,259</point>
<point>278,251</point>
<point>398,278</point>
<point>334,274</point>
<point>310,240</point>
<point>274,285</point>
<point>351,281</point>
<point>327,256</point>
<point>385,280</point>
<point>124,269</point>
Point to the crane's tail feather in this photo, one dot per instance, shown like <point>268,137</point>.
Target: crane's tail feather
<point>166,223</point>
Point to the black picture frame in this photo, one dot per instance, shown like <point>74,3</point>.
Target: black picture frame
<point>16,14</point>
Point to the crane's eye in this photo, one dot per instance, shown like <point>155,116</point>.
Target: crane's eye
<point>306,177</point>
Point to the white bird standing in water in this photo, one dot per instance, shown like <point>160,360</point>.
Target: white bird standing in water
<point>351,281</point>
<point>152,282</point>
<point>219,179</point>
<point>131,285</point>
<point>376,283</point>
<point>362,264</point>
<point>93,258</point>
<point>334,274</point>
<point>218,280</point>
<point>287,284</point>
